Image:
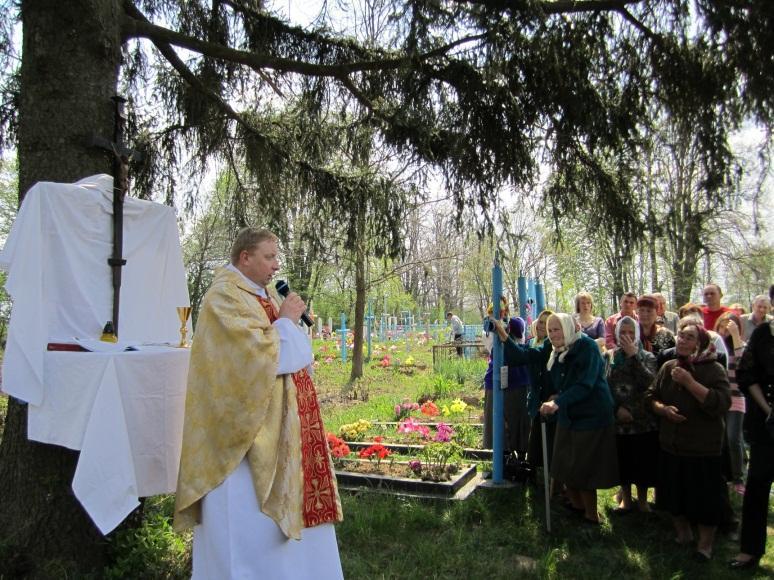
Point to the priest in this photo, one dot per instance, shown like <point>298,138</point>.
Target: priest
<point>256,481</point>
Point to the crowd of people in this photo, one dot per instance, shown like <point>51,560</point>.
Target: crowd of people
<point>650,399</point>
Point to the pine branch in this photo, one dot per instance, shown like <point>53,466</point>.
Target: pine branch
<point>558,7</point>
<point>136,25</point>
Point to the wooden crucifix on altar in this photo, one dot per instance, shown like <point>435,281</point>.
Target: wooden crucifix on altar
<point>121,156</point>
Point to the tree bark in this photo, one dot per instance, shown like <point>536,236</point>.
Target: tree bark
<point>360,299</point>
<point>69,71</point>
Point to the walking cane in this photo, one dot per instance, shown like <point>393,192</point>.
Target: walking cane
<point>545,473</point>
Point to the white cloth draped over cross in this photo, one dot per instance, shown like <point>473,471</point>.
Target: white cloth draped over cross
<point>123,411</point>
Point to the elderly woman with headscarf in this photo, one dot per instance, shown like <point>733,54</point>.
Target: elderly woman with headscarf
<point>584,457</point>
<point>630,373</point>
<point>691,395</point>
<point>692,312</point>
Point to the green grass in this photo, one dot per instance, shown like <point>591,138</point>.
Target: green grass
<point>493,534</point>
<point>501,534</point>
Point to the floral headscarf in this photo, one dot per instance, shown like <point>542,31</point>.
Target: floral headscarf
<point>571,334</point>
<point>705,351</point>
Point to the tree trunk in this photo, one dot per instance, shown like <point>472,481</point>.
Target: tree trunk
<point>360,299</point>
<point>69,71</point>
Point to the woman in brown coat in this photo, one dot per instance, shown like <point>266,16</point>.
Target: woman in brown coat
<point>691,395</point>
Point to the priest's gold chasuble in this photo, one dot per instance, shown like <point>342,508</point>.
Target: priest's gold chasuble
<point>237,406</point>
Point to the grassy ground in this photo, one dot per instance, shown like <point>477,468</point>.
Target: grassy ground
<point>494,534</point>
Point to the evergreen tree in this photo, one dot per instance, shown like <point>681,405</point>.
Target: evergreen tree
<point>474,87</point>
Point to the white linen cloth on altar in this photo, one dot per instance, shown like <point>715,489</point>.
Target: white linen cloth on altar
<point>123,411</point>
<point>235,539</point>
<point>56,256</point>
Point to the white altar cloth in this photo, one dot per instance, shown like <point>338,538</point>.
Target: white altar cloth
<point>124,412</point>
<point>56,256</point>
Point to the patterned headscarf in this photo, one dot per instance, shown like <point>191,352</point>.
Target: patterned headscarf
<point>705,351</point>
<point>571,333</point>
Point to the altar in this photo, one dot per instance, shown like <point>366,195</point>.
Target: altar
<point>122,410</point>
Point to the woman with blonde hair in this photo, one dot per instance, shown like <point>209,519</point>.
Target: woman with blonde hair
<point>592,326</point>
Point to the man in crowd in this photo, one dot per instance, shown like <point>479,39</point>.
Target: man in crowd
<point>628,304</point>
<point>457,329</point>
<point>666,318</point>
<point>761,306</point>
<point>256,480</point>
<point>712,308</point>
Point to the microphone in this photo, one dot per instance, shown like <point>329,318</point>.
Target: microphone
<point>283,289</point>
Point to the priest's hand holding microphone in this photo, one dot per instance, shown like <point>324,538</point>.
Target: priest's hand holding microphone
<point>292,307</point>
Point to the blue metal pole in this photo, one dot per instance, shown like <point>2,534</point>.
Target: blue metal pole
<point>522,282</point>
<point>343,335</point>
<point>540,299</point>
<point>531,297</point>
<point>497,362</point>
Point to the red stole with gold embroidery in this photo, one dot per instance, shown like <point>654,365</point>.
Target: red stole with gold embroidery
<point>319,486</point>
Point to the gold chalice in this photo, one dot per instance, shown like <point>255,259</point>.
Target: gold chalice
<point>183,313</point>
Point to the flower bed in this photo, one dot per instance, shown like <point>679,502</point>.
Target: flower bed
<point>391,476</point>
<point>409,449</point>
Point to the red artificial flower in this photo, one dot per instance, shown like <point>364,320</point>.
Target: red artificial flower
<point>341,450</point>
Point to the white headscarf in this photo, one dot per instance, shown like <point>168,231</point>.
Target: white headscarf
<point>627,320</point>
<point>571,332</point>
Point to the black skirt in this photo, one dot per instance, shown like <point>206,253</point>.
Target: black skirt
<point>585,460</point>
<point>691,487</point>
<point>638,458</point>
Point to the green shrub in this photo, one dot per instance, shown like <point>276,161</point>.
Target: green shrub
<point>443,388</point>
<point>462,371</point>
<point>153,550</point>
